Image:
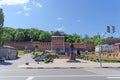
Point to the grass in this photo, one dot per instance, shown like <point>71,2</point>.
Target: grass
<point>20,52</point>
<point>110,60</point>
<point>38,53</point>
<point>106,60</point>
<point>52,53</point>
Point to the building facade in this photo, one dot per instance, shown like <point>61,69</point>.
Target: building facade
<point>109,51</point>
<point>113,41</point>
<point>8,52</point>
<point>104,48</point>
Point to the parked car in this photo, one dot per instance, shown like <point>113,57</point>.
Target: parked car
<point>39,59</point>
<point>2,59</point>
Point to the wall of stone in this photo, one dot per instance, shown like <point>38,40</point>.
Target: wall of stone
<point>47,45</point>
<point>20,45</point>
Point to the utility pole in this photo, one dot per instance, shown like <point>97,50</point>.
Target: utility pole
<point>100,49</point>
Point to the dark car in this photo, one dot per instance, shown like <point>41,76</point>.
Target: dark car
<point>39,59</point>
<point>2,59</point>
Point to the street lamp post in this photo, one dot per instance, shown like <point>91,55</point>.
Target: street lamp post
<point>26,52</point>
<point>110,29</point>
<point>100,49</point>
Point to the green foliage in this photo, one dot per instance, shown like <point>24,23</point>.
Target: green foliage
<point>33,34</point>
<point>19,36</point>
<point>110,60</point>
<point>44,37</point>
<point>106,60</point>
<point>1,18</point>
<point>38,53</point>
<point>20,52</point>
<point>27,35</point>
<point>1,26</point>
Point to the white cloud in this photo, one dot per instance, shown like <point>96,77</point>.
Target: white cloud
<point>13,2</point>
<point>60,29</point>
<point>27,5</point>
<point>39,5</point>
<point>26,14</point>
<point>26,8</point>
<point>36,4</point>
<point>59,18</point>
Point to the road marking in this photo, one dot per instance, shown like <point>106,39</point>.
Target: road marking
<point>52,76</point>
<point>113,77</point>
<point>30,78</point>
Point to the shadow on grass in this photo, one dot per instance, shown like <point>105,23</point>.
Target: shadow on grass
<point>5,63</point>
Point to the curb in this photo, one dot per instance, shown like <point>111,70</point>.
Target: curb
<point>51,67</point>
<point>64,67</point>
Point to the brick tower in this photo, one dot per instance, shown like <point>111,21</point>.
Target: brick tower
<point>57,42</point>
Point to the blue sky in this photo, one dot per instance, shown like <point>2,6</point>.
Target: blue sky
<point>71,16</point>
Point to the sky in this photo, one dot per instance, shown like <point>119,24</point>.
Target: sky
<point>71,16</point>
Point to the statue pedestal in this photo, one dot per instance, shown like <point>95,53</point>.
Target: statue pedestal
<point>73,61</point>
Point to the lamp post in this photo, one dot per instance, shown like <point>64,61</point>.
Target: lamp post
<point>27,62</point>
<point>110,29</point>
<point>100,49</point>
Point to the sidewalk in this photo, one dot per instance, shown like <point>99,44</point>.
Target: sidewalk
<point>62,63</point>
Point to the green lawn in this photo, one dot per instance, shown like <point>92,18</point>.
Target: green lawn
<point>20,52</point>
<point>106,60</point>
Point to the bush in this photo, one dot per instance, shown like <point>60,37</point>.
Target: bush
<point>110,60</point>
<point>51,56</point>
<point>105,60</point>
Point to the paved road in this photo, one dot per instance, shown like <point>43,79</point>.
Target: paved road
<point>14,63</point>
<point>9,71</point>
<point>60,74</point>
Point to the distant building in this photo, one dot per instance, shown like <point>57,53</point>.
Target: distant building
<point>104,48</point>
<point>116,47</point>
<point>109,51</point>
<point>113,41</point>
<point>57,44</point>
<point>8,52</point>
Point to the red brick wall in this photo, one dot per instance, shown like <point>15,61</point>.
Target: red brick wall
<point>42,46</point>
<point>20,45</point>
<point>57,42</point>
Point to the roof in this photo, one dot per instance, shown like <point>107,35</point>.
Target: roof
<point>117,43</point>
<point>6,46</point>
<point>57,33</point>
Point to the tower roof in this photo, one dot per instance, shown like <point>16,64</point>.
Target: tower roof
<point>57,33</point>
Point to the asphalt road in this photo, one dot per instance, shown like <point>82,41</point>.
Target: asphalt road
<point>60,74</point>
<point>9,71</point>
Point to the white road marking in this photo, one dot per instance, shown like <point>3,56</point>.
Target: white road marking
<point>113,77</point>
<point>30,78</point>
<point>52,76</point>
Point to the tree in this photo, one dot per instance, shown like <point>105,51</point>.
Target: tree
<point>103,41</point>
<point>76,38</point>
<point>86,38</point>
<point>6,37</point>
<point>33,34</point>
<point>26,34</point>
<point>70,39</point>
<point>19,36</point>
<point>44,37</point>
<point>1,25</point>
<point>95,39</point>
